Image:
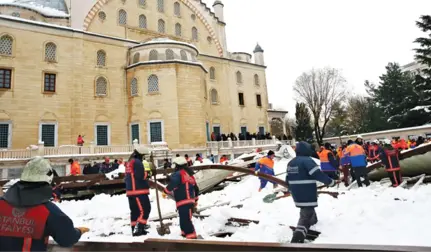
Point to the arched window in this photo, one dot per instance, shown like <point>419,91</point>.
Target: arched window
<point>16,14</point>
<point>177,9</point>
<point>161,5</point>
<point>6,45</point>
<point>161,26</point>
<point>136,57</point>
<point>195,34</point>
<point>214,96</point>
<point>238,77</point>
<point>212,73</point>
<point>154,55</point>
<point>101,58</point>
<point>178,30</point>
<point>50,52</point>
<point>256,80</point>
<point>169,54</point>
<point>134,87</point>
<point>101,86</point>
<point>142,21</point>
<point>142,3</point>
<point>122,17</point>
<point>153,84</point>
<point>183,55</point>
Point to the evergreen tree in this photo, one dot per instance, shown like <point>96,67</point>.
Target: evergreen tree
<point>376,117</point>
<point>422,84</point>
<point>395,95</point>
<point>337,126</point>
<point>303,130</point>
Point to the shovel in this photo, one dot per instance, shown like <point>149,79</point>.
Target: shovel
<point>162,229</point>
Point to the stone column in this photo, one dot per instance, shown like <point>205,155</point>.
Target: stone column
<point>41,148</point>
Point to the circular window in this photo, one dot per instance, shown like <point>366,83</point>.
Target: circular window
<point>193,16</point>
<point>210,40</point>
<point>102,15</point>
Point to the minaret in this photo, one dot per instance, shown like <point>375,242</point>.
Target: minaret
<point>258,55</point>
<point>218,10</point>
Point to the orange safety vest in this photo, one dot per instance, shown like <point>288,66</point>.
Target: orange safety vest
<point>75,168</point>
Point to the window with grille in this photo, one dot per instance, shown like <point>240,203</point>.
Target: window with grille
<point>156,132</point>
<point>262,130</point>
<point>122,17</point>
<point>212,73</point>
<point>134,128</point>
<point>102,15</point>
<point>258,100</point>
<point>256,80</point>
<point>244,130</point>
<point>101,87</point>
<point>216,130</point>
<point>142,22</point>
<point>178,30</point>
<point>5,78</point>
<point>177,9</point>
<point>154,55</point>
<point>238,77</point>
<point>50,52</point>
<point>102,135</point>
<point>136,58</point>
<point>169,54</point>
<point>153,84</point>
<point>161,26</point>
<point>16,14</point>
<point>6,45</point>
<point>214,96</point>
<point>48,135</point>
<point>49,82</point>
<point>161,5</point>
<point>195,34</point>
<point>134,87</point>
<point>4,135</point>
<point>142,3</point>
<point>183,55</point>
<point>101,58</point>
<point>241,99</point>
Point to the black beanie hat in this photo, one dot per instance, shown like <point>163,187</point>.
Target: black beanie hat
<point>270,153</point>
<point>328,146</point>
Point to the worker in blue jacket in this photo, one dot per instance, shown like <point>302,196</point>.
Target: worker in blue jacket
<point>358,161</point>
<point>302,175</point>
<point>28,217</point>
<point>138,171</point>
<point>185,190</point>
<point>265,165</point>
<point>328,162</point>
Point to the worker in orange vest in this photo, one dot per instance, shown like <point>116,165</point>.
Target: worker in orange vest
<point>75,168</point>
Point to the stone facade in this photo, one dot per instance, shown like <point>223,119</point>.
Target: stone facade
<point>105,77</point>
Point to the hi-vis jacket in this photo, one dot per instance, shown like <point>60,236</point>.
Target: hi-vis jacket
<point>356,155</point>
<point>327,161</point>
<point>184,188</point>
<point>265,165</point>
<point>344,158</point>
<point>137,175</point>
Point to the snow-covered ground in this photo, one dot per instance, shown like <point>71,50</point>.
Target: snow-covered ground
<point>373,215</point>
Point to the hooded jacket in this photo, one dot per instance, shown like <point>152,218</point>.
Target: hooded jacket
<point>29,218</point>
<point>302,175</point>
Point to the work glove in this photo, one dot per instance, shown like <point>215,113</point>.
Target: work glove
<point>164,195</point>
<point>83,230</point>
<point>256,172</point>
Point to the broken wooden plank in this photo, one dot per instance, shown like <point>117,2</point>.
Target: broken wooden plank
<point>418,183</point>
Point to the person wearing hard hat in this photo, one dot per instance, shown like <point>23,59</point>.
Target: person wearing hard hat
<point>138,171</point>
<point>28,217</point>
<point>185,190</point>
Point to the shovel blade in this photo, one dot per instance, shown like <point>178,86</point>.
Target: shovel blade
<point>163,230</point>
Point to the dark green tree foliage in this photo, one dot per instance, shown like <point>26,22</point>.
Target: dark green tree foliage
<point>337,126</point>
<point>422,84</point>
<point>377,119</point>
<point>303,130</point>
<point>395,95</point>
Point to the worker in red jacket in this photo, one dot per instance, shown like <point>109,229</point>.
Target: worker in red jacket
<point>390,158</point>
<point>28,217</point>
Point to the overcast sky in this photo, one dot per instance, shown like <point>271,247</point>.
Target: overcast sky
<point>359,37</point>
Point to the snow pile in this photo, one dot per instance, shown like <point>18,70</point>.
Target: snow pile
<point>205,161</point>
<point>37,7</point>
<point>425,108</point>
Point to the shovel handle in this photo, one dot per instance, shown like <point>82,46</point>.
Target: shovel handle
<point>157,193</point>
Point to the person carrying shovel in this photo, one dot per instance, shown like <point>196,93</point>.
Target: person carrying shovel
<point>185,191</point>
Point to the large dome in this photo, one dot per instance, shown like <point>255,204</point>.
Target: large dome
<point>58,5</point>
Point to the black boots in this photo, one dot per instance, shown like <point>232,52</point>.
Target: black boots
<point>298,237</point>
<point>140,229</point>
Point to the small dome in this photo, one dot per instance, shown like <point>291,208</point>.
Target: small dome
<point>216,2</point>
<point>53,4</point>
<point>258,49</point>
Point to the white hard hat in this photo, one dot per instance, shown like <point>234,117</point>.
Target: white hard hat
<point>38,170</point>
<point>387,141</point>
<point>141,149</point>
<point>178,161</point>
<point>359,136</point>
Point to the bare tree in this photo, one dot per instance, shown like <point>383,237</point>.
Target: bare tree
<point>320,89</point>
<point>290,124</point>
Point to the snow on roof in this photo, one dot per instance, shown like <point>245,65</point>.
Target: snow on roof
<point>51,8</point>
<point>426,108</point>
